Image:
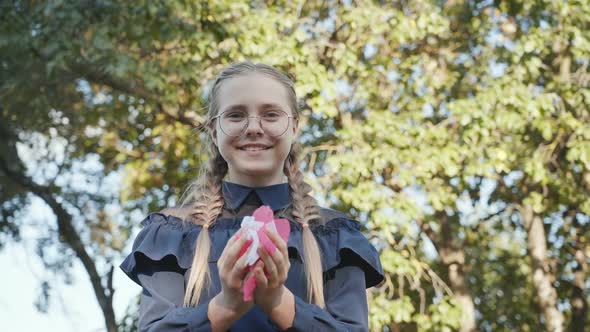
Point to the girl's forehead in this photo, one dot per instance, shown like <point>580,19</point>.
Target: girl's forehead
<point>252,90</point>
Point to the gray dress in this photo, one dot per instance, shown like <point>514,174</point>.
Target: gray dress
<point>162,254</point>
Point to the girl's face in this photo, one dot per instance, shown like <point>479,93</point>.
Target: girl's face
<point>255,158</point>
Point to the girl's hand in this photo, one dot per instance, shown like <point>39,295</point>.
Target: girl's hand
<point>271,274</point>
<point>232,270</point>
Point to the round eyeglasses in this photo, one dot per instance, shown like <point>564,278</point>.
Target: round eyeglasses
<point>273,122</point>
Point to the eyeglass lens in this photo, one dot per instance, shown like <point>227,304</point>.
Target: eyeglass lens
<point>273,123</point>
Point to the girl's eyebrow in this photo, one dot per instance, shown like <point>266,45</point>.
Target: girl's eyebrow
<point>235,108</point>
<point>270,105</point>
<point>242,107</point>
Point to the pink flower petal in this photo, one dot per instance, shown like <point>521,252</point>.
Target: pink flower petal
<point>264,214</point>
<point>283,228</point>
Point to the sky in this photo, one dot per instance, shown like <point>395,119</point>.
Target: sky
<point>72,308</point>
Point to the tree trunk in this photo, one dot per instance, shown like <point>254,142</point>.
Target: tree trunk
<point>545,294</point>
<point>462,295</point>
<point>454,260</point>
<point>578,300</point>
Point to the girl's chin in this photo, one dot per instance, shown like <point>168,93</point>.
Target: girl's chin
<point>257,172</point>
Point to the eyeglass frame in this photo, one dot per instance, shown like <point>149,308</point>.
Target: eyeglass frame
<point>248,123</point>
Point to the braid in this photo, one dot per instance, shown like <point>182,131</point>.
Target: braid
<point>305,210</point>
<point>208,205</point>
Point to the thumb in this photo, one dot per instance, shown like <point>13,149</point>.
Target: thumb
<point>261,279</point>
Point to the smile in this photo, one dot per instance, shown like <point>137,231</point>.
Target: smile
<point>254,147</point>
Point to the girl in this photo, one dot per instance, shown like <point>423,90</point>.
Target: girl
<point>187,260</point>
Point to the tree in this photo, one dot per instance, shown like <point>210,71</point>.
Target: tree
<point>503,105</point>
<point>470,117</point>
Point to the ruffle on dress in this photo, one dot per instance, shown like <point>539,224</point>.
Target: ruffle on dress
<point>168,241</point>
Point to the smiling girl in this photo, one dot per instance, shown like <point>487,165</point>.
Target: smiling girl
<point>188,259</point>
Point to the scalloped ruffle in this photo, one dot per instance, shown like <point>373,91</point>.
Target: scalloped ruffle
<point>168,238</point>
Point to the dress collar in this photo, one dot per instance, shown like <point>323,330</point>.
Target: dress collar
<point>276,196</point>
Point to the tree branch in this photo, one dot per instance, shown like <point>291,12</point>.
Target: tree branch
<point>68,235</point>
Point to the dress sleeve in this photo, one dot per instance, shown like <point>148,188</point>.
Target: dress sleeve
<point>161,305</point>
<point>351,265</point>
<point>346,305</point>
<point>160,256</point>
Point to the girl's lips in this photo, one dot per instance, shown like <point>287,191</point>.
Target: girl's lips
<point>257,152</point>
<point>254,147</point>
<point>253,150</point>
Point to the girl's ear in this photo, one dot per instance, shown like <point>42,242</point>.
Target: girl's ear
<point>213,134</point>
<point>295,128</point>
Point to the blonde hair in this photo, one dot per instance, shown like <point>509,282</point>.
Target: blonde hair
<point>205,196</point>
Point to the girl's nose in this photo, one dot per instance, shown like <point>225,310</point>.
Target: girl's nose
<point>254,126</point>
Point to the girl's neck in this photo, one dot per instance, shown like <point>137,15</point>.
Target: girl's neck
<point>256,181</point>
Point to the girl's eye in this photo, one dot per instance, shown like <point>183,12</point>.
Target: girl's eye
<point>235,116</point>
<point>272,115</point>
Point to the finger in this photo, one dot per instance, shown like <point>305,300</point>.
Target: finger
<point>229,243</point>
<point>234,237</point>
<point>269,265</point>
<point>252,272</point>
<point>280,259</point>
<point>240,269</point>
<point>283,266</point>
<point>231,252</point>
<point>236,245</point>
<point>261,280</point>
<point>279,242</point>
<point>230,274</point>
<point>280,263</point>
